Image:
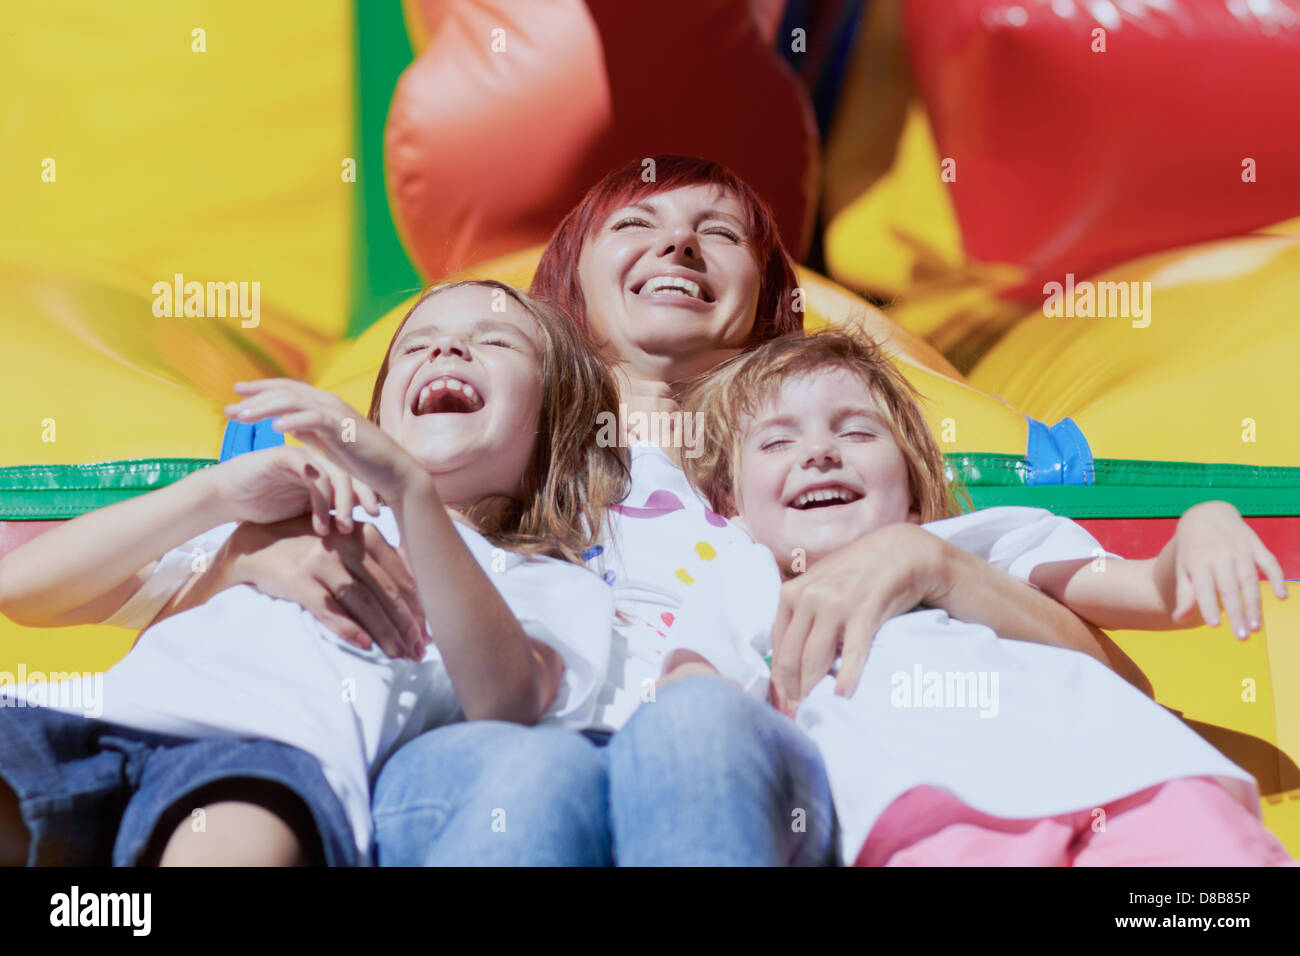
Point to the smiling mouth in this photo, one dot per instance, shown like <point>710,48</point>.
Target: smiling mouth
<point>827,497</point>
<point>447,396</point>
<point>673,286</point>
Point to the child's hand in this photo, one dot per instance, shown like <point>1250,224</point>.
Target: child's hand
<point>274,484</point>
<point>1215,555</point>
<point>331,427</point>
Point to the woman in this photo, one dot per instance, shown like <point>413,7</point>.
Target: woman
<point>672,276</point>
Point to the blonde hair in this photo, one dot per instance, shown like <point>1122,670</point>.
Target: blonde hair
<point>571,479</point>
<point>737,389</point>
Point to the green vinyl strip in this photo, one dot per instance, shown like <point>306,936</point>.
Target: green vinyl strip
<point>1124,488</point>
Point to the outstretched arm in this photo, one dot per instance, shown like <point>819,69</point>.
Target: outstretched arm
<point>1213,558</point>
<point>85,569</point>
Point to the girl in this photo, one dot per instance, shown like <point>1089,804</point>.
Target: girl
<point>672,277</point>
<point>247,713</point>
<point>959,747</point>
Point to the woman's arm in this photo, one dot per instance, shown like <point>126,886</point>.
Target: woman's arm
<point>971,589</point>
<point>837,606</point>
<point>85,569</point>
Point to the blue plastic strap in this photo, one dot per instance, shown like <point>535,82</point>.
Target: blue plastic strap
<point>241,437</point>
<point>1058,455</point>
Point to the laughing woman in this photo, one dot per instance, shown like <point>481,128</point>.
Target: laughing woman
<point>672,277</point>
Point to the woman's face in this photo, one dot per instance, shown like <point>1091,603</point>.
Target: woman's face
<point>464,391</point>
<point>671,279</point>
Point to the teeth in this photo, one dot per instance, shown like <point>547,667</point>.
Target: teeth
<point>446,384</point>
<point>824,494</point>
<point>676,284</point>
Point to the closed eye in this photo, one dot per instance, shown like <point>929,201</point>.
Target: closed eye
<point>630,221</point>
<point>721,231</point>
<point>499,342</point>
<point>773,443</point>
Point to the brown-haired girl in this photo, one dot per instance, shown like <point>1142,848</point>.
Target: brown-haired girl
<point>248,712</point>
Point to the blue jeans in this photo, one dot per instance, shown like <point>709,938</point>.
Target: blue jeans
<point>92,793</point>
<point>702,776</point>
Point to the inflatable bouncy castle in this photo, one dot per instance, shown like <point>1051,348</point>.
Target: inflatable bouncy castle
<point>1075,225</point>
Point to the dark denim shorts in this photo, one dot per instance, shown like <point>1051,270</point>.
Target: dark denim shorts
<point>93,793</point>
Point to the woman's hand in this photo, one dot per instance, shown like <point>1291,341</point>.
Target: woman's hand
<point>332,428</point>
<point>837,606</point>
<point>273,484</point>
<point>354,583</point>
<point>1213,557</point>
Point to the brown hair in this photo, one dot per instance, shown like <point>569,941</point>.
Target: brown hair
<point>556,278</point>
<point>735,390</point>
<point>571,479</point>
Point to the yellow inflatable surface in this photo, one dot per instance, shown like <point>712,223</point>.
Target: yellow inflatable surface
<point>186,138</point>
<point>1201,377</point>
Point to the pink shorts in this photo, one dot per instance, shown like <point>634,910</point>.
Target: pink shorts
<point>1189,822</point>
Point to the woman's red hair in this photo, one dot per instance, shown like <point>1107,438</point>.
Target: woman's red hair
<point>556,279</point>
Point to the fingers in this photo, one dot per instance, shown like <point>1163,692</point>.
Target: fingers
<point>1272,569</point>
<point>819,652</point>
<point>344,499</point>
<point>1229,590</point>
<point>368,560</point>
<point>1248,583</point>
<point>366,495</point>
<point>787,659</point>
<point>332,614</point>
<point>858,637</point>
<point>321,493</point>
<point>362,606</point>
<point>312,422</point>
<point>1206,599</point>
<point>300,406</point>
<point>385,564</point>
<point>1184,595</point>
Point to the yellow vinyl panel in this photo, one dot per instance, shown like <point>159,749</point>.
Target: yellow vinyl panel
<point>1206,380</point>
<point>219,165</point>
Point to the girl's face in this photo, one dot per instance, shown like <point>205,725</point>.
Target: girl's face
<point>672,277</point>
<point>819,468</point>
<point>464,391</point>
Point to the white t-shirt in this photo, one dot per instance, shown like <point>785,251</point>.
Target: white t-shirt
<point>658,543</point>
<point>1014,729</point>
<point>248,665</point>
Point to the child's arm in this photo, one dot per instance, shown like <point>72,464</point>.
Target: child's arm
<point>1213,557</point>
<point>85,569</point>
<point>498,672</point>
<point>82,571</point>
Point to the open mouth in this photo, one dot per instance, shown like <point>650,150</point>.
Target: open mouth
<point>447,396</point>
<point>824,496</point>
<point>673,286</point>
